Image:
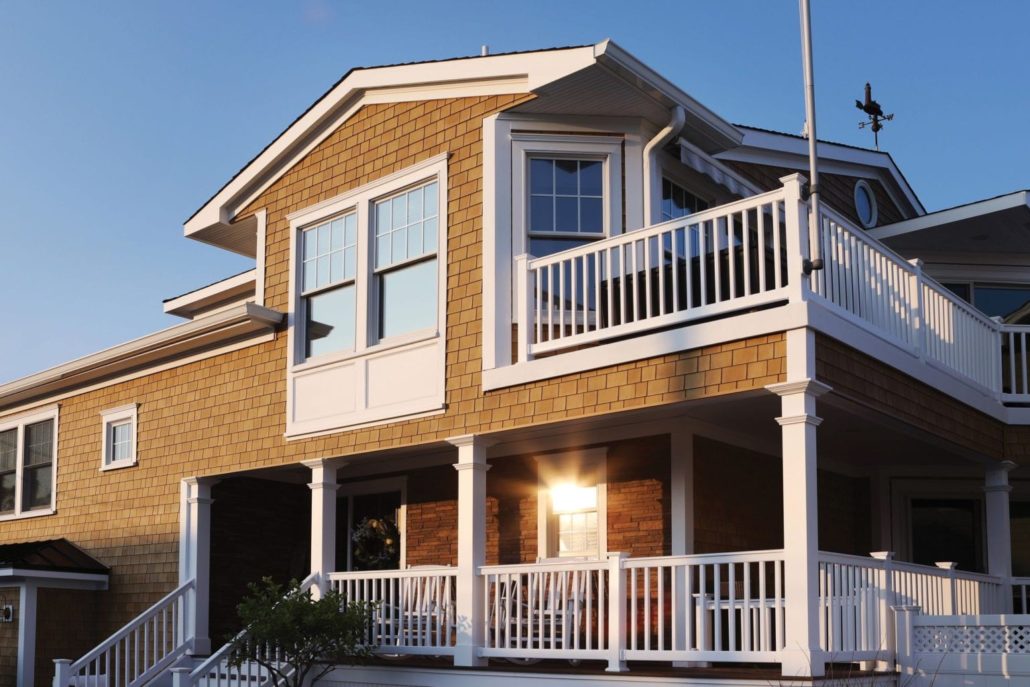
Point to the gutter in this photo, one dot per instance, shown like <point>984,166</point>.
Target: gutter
<point>677,118</point>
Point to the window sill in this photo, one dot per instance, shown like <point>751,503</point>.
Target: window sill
<point>28,514</point>
<point>382,346</point>
<point>118,465</point>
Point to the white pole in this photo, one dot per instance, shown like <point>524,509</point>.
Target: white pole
<point>813,171</point>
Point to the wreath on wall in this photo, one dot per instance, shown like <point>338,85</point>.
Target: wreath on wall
<point>376,544</point>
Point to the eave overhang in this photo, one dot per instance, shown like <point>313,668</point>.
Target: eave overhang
<point>217,329</point>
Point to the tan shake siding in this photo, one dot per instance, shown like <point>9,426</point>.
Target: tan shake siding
<point>227,413</point>
<point>865,380</point>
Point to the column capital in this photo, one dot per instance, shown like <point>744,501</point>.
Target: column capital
<point>325,462</point>
<point>813,420</point>
<point>812,387</point>
<point>480,467</point>
<point>471,440</point>
<point>997,476</point>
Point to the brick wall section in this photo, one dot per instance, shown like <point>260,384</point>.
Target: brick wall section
<point>9,640</point>
<point>838,191</point>
<point>867,381</point>
<point>226,414</point>
<point>639,514</point>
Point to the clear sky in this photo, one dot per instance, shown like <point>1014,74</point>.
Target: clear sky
<point>118,120</point>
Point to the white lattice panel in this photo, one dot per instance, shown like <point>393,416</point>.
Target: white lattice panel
<point>980,639</point>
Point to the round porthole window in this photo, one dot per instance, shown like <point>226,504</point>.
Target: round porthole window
<point>865,204</point>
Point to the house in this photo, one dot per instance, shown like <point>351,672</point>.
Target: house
<point>559,323</point>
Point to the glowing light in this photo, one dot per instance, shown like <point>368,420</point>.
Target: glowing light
<point>572,498</point>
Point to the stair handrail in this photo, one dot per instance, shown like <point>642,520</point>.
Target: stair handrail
<point>212,661</point>
<point>64,669</point>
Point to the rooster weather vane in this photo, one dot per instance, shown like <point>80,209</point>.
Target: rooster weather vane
<point>875,112</point>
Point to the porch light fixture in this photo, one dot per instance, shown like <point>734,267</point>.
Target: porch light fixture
<point>6,610</point>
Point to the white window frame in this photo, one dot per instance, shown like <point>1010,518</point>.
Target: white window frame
<point>377,486</point>
<point>606,149</point>
<point>862,184</point>
<point>19,422</point>
<point>674,172</point>
<point>595,461</point>
<point>361,201</point>
<point>110,418</point>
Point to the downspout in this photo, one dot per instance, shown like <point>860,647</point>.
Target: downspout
<point>651,173</point>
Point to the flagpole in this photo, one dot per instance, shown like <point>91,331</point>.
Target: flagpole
<point>813,169</point>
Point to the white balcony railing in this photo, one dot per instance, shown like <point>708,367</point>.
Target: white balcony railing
<point>1021,594</point>
<point>746,256</point>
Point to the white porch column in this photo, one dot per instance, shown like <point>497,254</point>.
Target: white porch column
<point>681,492</point>
<point>802,655</point>
<point>999,534</point>
<point>323,488</point>
<point>471,467</point>
<point>26,674</point>
<point>195,557</point>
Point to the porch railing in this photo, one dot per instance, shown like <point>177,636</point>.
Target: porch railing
<point>1021,594</point>
<point>747,255</point>
<point>139,651</point>
<point>413,610</point>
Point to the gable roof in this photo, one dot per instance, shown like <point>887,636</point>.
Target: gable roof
<point>505,73</point>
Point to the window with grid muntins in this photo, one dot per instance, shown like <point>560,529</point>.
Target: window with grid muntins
<point>8,469</point>
<point>566,196</point>
<point>405,262</point>
<point>679,202</point>
<point>328,273</point>
<point>27,451</point>
<point>121,441</point>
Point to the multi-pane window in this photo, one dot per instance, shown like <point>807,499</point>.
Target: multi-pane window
<point>328,272</point>
<point>119,445</point>
<point>574,509</point>
<point>679,202</point>
<point>566,203</point>
<point>405,261</point>
<point>27,466</point>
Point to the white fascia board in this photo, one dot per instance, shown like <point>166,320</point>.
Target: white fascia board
<point>238,321</point>
<point>50,578</point>
<point>757,142</point>
<point>956,214</point>
<point>609,53</point>
<point>237,286</point>
<point>526,72</point>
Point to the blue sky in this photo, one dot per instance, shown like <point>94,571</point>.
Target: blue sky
<point>119,119</point>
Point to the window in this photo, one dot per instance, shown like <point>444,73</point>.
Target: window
<point>329,253</point>
<point>567,191</point>
<point>119,442</point>
<point>28,454</point>
<point>405,261</point>
<point>679,202</point>
<point>865,204</point>
<point>1011,302</point>
<point>572,505</point>
<point>574,512</point>
<point>947,529</point>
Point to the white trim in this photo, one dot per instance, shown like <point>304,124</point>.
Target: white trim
<point>956,214</point>
<point>18,423</point>
<point>60,578</point>
<point>596,461</point>
<point>863,185</point>
<point>242,320</point>
<point>377,486</point>
<point>231,289</point>
<point>361,201</point>
<point>108,418</point>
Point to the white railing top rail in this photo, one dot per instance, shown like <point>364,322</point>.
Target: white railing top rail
<point>559,565</point>
<point>212,662</point>
<point>420,571</point>
<point>905,566</point>
<point>693,219</point>
<point>131,626</point>
<point>707,558</point>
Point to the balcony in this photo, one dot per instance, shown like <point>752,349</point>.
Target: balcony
<point>742,266</point>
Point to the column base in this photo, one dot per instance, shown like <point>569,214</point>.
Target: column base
<point>616,667</point>
<point>468,657</point>
<point>201,647</point>
<point>797,663</point>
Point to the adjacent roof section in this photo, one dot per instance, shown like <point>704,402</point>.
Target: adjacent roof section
<point>765,146</point>
<point>221,294</point>
<point>560,78</point>
<point>995,226</point>
<point>51,555</point>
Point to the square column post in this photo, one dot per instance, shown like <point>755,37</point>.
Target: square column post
<point>999,533</point>
<point>323,488</point>
<point>471,619</point>
<point>195,558</point>
<point>26,672</point>
<point>681,502</point>
<point>802,655</point>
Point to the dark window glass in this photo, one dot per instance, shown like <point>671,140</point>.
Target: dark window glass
<point>960,290</point>
<point>947,530</point>
<point>679,202</point>
<point>1004,301</point>
<point>1019,516</point>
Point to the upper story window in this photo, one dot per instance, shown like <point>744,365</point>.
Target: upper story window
<point>865,204</point>
<point>329,269</point>
<point>119,441</point>
<point>567,191</point>
<point>679,202</point>
<point>405,261</point>
<point>28,455</point>
<point>1010,302</point>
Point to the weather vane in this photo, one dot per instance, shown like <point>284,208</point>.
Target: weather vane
<point>875,112</point>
